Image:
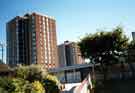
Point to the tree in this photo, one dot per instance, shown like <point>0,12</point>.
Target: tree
<point>131,45</point>
<point>104,47</point>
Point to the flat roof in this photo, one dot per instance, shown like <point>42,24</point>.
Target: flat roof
<point>78,66</point>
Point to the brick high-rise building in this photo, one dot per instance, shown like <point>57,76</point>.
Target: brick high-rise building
<point>31,39</point>
<point>69,54</point>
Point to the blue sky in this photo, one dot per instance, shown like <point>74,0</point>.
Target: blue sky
<point>74,18</point>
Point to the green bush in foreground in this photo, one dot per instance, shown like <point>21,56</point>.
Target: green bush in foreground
<point>17,85</point>
<point>51,84</point>
<point>31,73</point>
<point>29,79</point>
<point>37,87</point>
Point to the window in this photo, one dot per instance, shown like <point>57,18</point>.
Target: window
<point>43,18</point>
<point>33,17</point>
<point>33,34</point>
<point>46,57</point>
<point>33,25</point>
<point>34,47</point>
<point>34,39</point>
<point>46,61</point>
<point>34,43</point>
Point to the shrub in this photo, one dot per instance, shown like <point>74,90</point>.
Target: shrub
<point>29,79</point>
<point>6,84</point>
<point>13,85</point>
<point>37,87</point>
<point>31,73</point>
<point>22,72</point>
<point>18,85</point>
<point>51,84</point>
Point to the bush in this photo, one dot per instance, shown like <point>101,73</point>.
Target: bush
<point>51,84</point>
<point>31,73</point>
<point>18,85</point>
<point>12,85</point>
<point>22,72</point>
<point>6,84</point>
<point>29,79</point>
<point>2,90</point>
<point>37,87</point>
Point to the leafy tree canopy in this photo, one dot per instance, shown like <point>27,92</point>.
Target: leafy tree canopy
<point>104,47</point>
<point>131,45</point>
